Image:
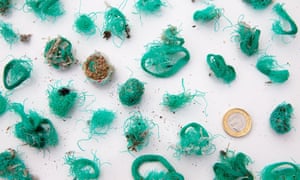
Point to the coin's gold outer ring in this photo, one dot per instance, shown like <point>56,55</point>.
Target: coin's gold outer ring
<point>227,127</point>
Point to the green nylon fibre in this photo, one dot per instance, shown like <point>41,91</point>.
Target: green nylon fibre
<point>220,69</point>
<point>84,24</point>
<point>16,72</point>
<point>3,104</point>
<point>149,6</point>
<point>248,38</point>
<point>83,168</point>
<point>137,131</point>
<point>34,129</point>
<point>131,92</point>
<point>259,4</point>
<point>12,167</point>
<point>58,53</point>
<point>232,166</point>
<point>269,66</point>
<point>44,9</point>
<point>4,6</point>
<point>62,100</point>
<point>101,121</point>
<point>277,26</point>
<point>281,171</point>
<point>8,34</point>
<point>207,14</point>
<point>280,118</point>
<point>171,173</point>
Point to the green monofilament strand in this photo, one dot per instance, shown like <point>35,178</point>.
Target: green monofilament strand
<point>44,9</point>
<point>4,6</point>
<point>131,92</point>
<point>85,25</point>
<point>280,118</point>
<point>16,72</point>
<point>171,173</point>
<point>9,35</point>
<point>281,170</point>
<point>259,4</point>
<point>101,121</point>
<point>148,6</point>
<point>207,14</point>
<point>3,104</point>
<point>248,38</point>
<point>277,26</point>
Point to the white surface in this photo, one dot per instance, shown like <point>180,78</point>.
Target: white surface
<point>249,91</point>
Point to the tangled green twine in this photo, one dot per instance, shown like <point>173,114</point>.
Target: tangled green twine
<point>207,14</point>
<point>248,38</point>
<point>259,4</point>
<point>171,173</point>
<point>85,25</point>
<point>9,35</point>
<point>101,121</point>
<point>131,92</point>
<point>277,26</point>
<point>281,171</point>
<point>232,166</point>
<point>62,100</point>
<point>148,6</point>
<point>16,72</point>
<point>12,167</point>
<point>44,9</point>
<point>280,118</point>
<point>220,69</point>
<point>137,131</point>
<point>34,129</point>
<point>4,6</point>
<point>3,104</point>
<point>58,53</point>
<point>269,66</point>
<point>82,168</point>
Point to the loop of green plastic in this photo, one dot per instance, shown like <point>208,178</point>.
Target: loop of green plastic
<point>281,171</point>
<point>16,72</point>
<point>248,38</point>
<point>171,173</point>
<point>83,169</point>
<point>131,92</point>
<point>277,26</point>
<point>207,14</point>
<point>259,4</point>
<point>115,23</point>
<point>148,6</point>
<point>85,25</point>
<point>3,104</point>
<point>45,8</point>
<point>4,6</point>
<point>280,118</point>
<point>9,35</point>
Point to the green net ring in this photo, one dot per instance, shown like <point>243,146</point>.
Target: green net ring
<point>281,170</point>
<point>85,169</point>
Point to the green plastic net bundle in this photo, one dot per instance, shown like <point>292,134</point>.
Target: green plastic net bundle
<point>131,92</point>
<point>194,140</point>
<point>34,129</point>
<point>16,72</point>
<point>101,121</point>
<point>84,24</point>
<point>259,4</point>
<point>148,6</point>
<point>232,166</point>
<point>170,174</point>
<point>208,14</point>
<point>8,34</point>
<point>5,5</point>
<point>248,38</point>
<point>83,168</point>
<point>220,69</point>
<point>45,9</point>
<point>280,118</point>
<point>3,104</point>
<point>164,59</point>
<point>137,131</point>
<point>269,66</point>
<point>281,171</point>
<point>12,167</point>
<point>62,100</point>
<point>58,53</point>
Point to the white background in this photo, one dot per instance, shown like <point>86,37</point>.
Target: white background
<point>249,91</point>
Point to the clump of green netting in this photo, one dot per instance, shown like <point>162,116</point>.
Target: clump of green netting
<point>16,72</point>
<point>281,171</point>
<point>148,6</point>
<point>84,24</point>
<point>280,118</point>
<point>268,65</point>
<point>62,100</point>
<point>101,121</point>
<point>58,53</point>
<point>44,9</point>
<point>131,92</point>
<point>3,104</point>
<point>208,14</point>
<point>34,129</point>
<point>12,167</point>
<point>137,131</point>
<point>83,168</point>
<point>170,174</point>
<point>248,37</point>
<point>5,5</point>
<point>232,166</point>
<point>220,69</point>
<point>259,4</point>
<point>8,34</point>
<point>194,140</point>
<point>278,25</point>
<point>166,57</point>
